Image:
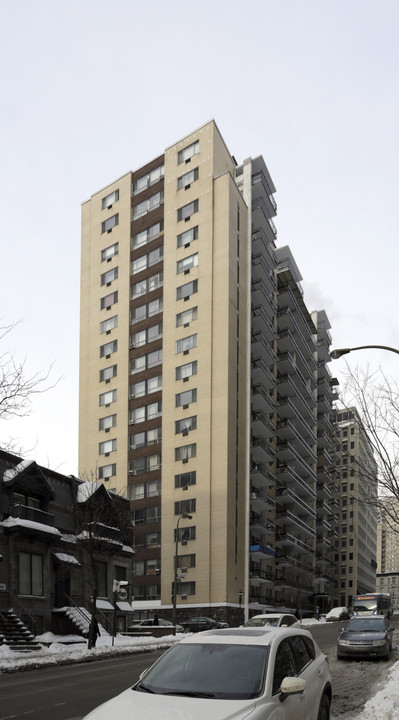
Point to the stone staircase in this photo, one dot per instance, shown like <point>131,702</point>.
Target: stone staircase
<point>81,618</point>
<point>14,633</point>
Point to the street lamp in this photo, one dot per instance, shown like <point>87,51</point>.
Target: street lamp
<point>184,516</point>
<point>336,354</point>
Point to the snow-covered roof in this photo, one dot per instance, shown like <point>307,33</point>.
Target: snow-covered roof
<point>86,490</point>
<point>103,604</point>
<point>68,559</point>
<point>124,606</point>
<point>11,473</point>
<point>15,522</point>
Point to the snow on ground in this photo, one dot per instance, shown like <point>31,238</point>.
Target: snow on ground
<point>68,649</point>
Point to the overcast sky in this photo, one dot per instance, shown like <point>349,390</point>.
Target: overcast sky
<point>93,89</point>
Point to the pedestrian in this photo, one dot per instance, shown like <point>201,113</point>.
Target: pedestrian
<point>156,619</point>
<point>94,632</point>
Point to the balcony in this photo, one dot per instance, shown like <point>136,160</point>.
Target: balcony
<point>285,518</point>
<point>258,551</point>
<point>261,373</point>
<point>25,512</point>
<point>261,476</point>
<point>262,425</point>
<point>285,539</point>
<point>260,524</point>
<point>287,497</point>
<point>289,477</point>
<point>262,450</point>
<point>261,500</point>
<point>262,399</point>
<point>261,321</point>
<point>261,344</point>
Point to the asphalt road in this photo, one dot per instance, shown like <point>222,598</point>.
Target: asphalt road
<point>70,692</point>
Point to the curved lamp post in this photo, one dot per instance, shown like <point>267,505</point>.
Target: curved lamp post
<point>184,516</point>
<point>336,354</point>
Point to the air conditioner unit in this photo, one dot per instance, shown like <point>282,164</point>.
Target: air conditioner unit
<point>187,245</point>
<point>131,422</point>
<point>108,380</point>
<point>186,379</point>
<point>107,429</point>
<point>131,397</point>
<point>184,542</point>
<point>108,332</point>
<point>185,460</point>
<point>185,352</point>
<point>183,597</point>
<point>185,407</point>
<point>184,433</point>
<point>186,272</point>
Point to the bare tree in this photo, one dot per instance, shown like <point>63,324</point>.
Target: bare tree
<point>17,389</point>
<point>102,525</point>
<point>376,398</point>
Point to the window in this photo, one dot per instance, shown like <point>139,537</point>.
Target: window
<point>109,276</point>
<point>186,371</point>
<point>184,291</point>
<point>107,446</point>
<point>185,533</point>
<point>108,373</point>
<point>148,310</point>
<point>109,324</point>
<point>107,225</point>
<point>107,471</point>
<point>145,387</point>
<point>152,540</point>
<point>30,574</point>
<point>185,212</point>
<point>146,236</point>
<point>149,179</point>
<point>146,438</point>
<point>188,587</point>
<point>187,263</point>
<point>185,238</point>
<point>184,181</point>
<point>107,398</point>
<point>186,424</point>
<point>108,200</point>
<point>145,361</point>
<point>185,398</point>
<point>186,316</point>
<point>102,575</point>
<point>185,561</point>
<point>147,205</point>
<point>145,412</point>
<point>187,343</point>
<point>185,506</point>
<point>188,152</point>
<point>184,480</point>
<point>146,336</point>
<point>145,261</point>
<point>109,300</point>
<point>185,452</point>
<point>145,464</point>
<point>109,252</point>
<point>108,348</point>
<point>106,423</point>
<point>146,285</point>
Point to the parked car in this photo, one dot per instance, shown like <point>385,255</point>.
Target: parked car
<point>273,619</point>
<point>198,624</point>
<point>143,624</point>
<point>367,636</point>
<point>338,613</point>
<point>261,673</point>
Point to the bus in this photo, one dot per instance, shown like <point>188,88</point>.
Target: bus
<point>372,604</point>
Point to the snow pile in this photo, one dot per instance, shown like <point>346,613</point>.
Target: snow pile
<point>384,705</point>
<point>65,649</point>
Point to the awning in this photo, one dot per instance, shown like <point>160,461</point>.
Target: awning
<point>68,559</point>
<point>124,606</point>
<point>104,605</point>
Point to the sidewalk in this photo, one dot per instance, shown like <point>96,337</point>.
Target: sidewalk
<point>65,650</point>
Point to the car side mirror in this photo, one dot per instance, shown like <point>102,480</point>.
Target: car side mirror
<point>291,686</point>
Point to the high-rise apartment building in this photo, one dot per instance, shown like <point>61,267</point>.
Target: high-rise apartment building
<point>356,546</point>
<point>204,390</point>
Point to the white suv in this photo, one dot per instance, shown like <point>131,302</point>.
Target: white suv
<point>262,672</point>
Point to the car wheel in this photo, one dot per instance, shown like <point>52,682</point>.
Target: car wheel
<point>339,656</point>
<point>324,709</point>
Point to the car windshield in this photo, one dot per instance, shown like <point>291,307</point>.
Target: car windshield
<point>208,670</point>
<point>366,625</point>
<point>260,622</point>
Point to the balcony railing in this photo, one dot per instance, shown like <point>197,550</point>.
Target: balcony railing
<point>25,512</point>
